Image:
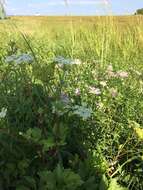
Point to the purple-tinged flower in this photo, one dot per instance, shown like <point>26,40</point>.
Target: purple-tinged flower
<point>113,92</point>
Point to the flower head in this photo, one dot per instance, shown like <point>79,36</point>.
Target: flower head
<point>93,90</point>
<point>113,92</point>
<point>110,71</point>
<point>10,58</point>
<point>122,74</point>
<point>103,83</point>
<point>77,91</point>
<point>110,68</point>
<point>18,59</point>
<point>64,61</point>
<point>24,58</point>
<point>82,111</point>
<point>112,74</point>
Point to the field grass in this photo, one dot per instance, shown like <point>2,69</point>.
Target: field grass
<point>84,37</point>
<point>71,103</point>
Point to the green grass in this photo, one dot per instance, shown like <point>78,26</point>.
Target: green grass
<point>72,126</point>
<point>110,39</point>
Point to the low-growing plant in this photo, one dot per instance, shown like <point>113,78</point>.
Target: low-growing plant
<point>69,118</point>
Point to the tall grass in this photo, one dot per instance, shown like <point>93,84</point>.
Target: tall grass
<point>94,38</point>
<point>101,144</point>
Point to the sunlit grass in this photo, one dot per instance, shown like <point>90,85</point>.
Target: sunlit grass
<point>95,63</point>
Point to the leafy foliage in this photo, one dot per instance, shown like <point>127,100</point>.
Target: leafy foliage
<point>71,124</point>
<point>139,12</point>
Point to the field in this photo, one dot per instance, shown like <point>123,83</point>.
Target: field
<point>71,103</point>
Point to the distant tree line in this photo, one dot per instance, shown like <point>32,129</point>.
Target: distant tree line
<point>139,12</point>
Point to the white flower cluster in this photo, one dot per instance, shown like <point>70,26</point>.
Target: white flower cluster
<point>18,59</point>
<point>3,113</point>
<point>119,74</point>
<point>82,111</point>
<point>64,61</point>
<point>95,91</point>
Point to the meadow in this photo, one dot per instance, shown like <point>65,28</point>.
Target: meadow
<point>71,103</point>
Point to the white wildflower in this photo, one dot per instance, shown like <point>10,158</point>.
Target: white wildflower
<point>24,58</point>
<point>110,71</point>
<point>112,74</point>
<point>3,113</point>
<point>10,58</point>
<point>75,62</point>
<point>65,61</point>
<point>93,90</point>
<point>110,68</point>
<point>60,60</point>
<point>18,59</point>
<point>82,111</point>
<point>103,83</point>
<point>122,74</point>
<point>113,92</point>
<point>100,105</point>
<point>77,91</point>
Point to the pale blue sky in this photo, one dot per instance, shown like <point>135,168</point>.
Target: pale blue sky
<point>76,7</point>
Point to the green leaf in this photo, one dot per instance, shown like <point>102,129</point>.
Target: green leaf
<point>47,143</point>
<point>115,186</point>
<point>72,180</point>
<point>30,181</point>
<point>47,180</point>
<point>21,187</point>
<point>91,184</point>
<point>33,134</point>
<point>103,183</point>
<point>59,174</point>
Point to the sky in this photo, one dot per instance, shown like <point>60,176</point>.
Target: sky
<point>74,7</point>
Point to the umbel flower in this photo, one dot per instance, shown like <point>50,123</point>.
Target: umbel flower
<point>119,74</point>
<point>122,74</point>
<point>18,59</point>
<point>110,72</point>
<point>93,90</point>
<point>64,61</point>
<point>82,111</point>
